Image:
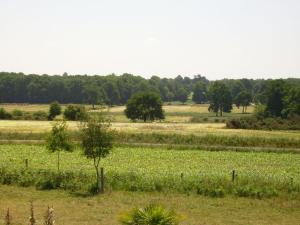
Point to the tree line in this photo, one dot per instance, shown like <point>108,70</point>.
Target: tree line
<point>116,90</point>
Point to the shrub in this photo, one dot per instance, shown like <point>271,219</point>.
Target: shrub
<point>54,110</point>
<point>39,115</point>
<point>75,112</point>
<point>150,215</point>
<point>4,115</point>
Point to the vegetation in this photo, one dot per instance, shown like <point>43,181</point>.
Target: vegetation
<point>200,92</point>
<point>144,106</point>
<point>280,111</point>
<point>54,110</point>
<point>58,140</point>
<point>75,112</point>
<point>150,215</point>
<point>220,98</point>
<point>146,169</point>
<point>97,143</point>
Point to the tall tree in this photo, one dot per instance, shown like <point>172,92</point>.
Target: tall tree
<point>96,141</point>
<point>220,98</point>
<point>200,92</point>
<point>243,99</point>
<point>275,92</point>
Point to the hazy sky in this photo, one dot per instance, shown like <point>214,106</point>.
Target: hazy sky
<point>215,38</point>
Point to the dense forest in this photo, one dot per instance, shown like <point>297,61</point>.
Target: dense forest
<point>115,90</point>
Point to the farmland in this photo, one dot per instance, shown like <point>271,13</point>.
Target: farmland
<point>171,161</point>
<point>144,169</point>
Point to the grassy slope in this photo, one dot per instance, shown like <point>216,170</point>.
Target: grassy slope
<point>105,209</point>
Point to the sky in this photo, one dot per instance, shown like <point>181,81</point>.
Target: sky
<point>215,38</point>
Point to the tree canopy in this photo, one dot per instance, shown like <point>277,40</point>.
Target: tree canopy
<point>145,106</point>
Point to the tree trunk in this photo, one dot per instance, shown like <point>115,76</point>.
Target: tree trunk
<point>98,179</point>
<point>58,159</point>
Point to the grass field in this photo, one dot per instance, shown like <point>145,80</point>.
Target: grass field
<point>144,169</point>
<point>106,209</point>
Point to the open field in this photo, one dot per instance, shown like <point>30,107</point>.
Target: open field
<point>106,209</point>
<point>144,169</point>
<point>174,113</point>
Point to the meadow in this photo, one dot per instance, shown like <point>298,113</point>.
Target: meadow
<point>107,208</point>
<point>259,175</point>
<point>184,113</point>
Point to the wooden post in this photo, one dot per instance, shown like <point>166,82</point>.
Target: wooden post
<point>26,163</point>
<point>181,176</point>
<point>233,175</point>
<point>102,180</point>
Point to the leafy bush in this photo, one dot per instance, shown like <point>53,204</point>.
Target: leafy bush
<point>54,110</point>
<point>75,112</point>
<point>150,215</point>
<point>268,123</point>
<point>4,115</point>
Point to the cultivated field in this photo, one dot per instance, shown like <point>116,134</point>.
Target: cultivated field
<point>145,169</point>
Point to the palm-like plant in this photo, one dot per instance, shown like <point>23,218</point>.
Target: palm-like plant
<point>150,215</point>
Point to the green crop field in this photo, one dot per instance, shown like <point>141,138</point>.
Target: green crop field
<point>144,169</point>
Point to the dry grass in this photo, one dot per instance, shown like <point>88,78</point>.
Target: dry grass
<point>12,126</point>
<point>76,209</point>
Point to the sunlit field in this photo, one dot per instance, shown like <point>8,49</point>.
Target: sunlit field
<point>174,113</point>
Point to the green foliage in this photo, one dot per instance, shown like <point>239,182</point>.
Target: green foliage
<point>200,93</point>
<point>292,102</point>
<point>220,98</point>
<point>75,112</point>
<point>150,215</point>
<point>4,115</point>
<point>275,93</point>
<point>58,140</point>
<point>54,110</point>
<point>150,169</point>
<point>144,106</point>
<point>96,141</point>
<point>243,99</point>
<point>182,95</point>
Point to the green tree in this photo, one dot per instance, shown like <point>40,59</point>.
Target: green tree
<point>96,141</point>
<point>59,140</point>
<point>220,98</point>
<point>150,215</point>
<point>292,102</point>
<point>275,93</point>
<point>243,99</point>
<point>54,110</point>
<point>145,106</point>
<point>75,112</point>
<point>94,95</point>
<point>199,92</point>
<point>182,95</point>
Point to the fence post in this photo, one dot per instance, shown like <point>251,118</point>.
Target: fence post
<point>102,180</point>
<point>233,175</point>
<point>26,163</point>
